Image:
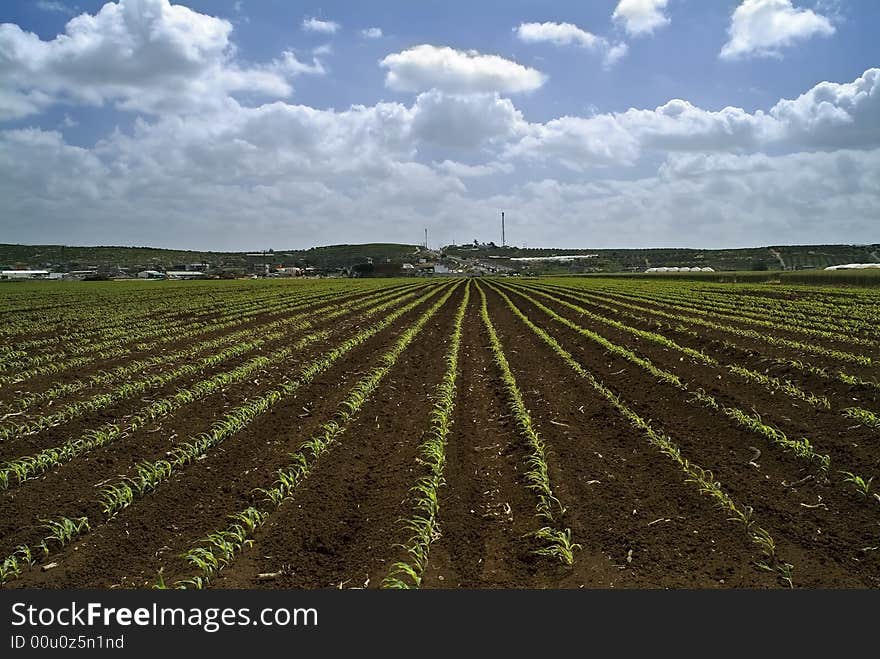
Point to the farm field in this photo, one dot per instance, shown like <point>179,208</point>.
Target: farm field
<point>439,433</point>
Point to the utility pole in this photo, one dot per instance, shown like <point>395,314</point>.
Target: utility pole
<point>503,243</point>
<point>426,237</point>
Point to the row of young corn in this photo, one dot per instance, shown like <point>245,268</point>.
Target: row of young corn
<point>218,549</point>
<point>29,466</point>
<point>675,324</point>
<point>702,478</point>
<point>753,422</point>
<point>273,331</point>
<point>236,320</point>
<point>115,328</point>
<point>25,467</point>
<point>423,525</point>
<point>61,532</point>
<point>850,307</point>
<point>122,494</point>
<point>125,341</point>
<point>771,383</point>
<point>763,337</point>
<point>93,322</point>
<point>827,328</point>
<point>798,306</point>
<point>787,387</point>
<point>556,540</point>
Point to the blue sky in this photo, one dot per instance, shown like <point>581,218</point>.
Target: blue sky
<point>633,123</point>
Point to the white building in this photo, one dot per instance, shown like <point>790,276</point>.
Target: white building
<point>24,274</point>
<point>854,266</point>
<point>184,274</point>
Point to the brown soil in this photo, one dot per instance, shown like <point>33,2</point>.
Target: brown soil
<point>638,522</point>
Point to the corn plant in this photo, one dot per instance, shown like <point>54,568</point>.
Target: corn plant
<point>537,474</point>
<point>217,549</point>
<point>863,416</point>
<point>423,525</point>
<point>695,474</point>
<point>753,422</point>
<point>65,529</point>
<point>858,483</point>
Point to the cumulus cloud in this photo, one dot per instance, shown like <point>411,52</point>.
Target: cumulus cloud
<point>468,121</point>
<point>641,17</point>
<point>434,67</point>
<point>561,34</point>
<point>463,170</point>
<point>319,26</point>
<point>763,28</point>
<point>53,6</point>
<point>568,34</point>
<point>234,186</point>
<point>829,116</point>
<point>833,115</point>
<point>372,33</point>
<point>143,55</point>
<point>579,143</point>
<point>222,158</point>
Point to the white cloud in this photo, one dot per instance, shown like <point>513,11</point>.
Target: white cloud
<point>561,34</point>
<point>614,54</point>
<point>143,55</point>
<point>53,6</point>
<point>568,34</point>
<point>323,49</point>
<point>319,26</point>
<point>468,122</point>
<point>231,184</point>
<point>431,67</point>
<point>289,64</point>
<point>641,17</point>
<point>463,170</point>
<point>762,28</point>
<point>579,143</point>
<point>834,115</point>
<point>829,116</point>
<point>372,33</point>
<point>213,163</point>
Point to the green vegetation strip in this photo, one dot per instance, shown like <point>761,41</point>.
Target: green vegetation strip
<point>676,325</point>
<point>219,548</point>
<point>423,523</point>
<point>558,541</point>
<point>771,383</point>
<point>801,448</point>
<point>736,313</point>
<point>272,331</point>
<point>839,355</point>
<point>29,466</point>
<point>703,479</point>
<point>120,495</point>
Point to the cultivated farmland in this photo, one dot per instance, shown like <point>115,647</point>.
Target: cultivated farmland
<point>440,433</point>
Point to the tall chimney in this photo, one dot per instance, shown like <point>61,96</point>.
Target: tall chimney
<point>503,243</point>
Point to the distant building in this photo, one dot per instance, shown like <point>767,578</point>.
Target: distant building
<point>81,274</point>
<point>681,269</point>
<point>854,266</point>
<point>286,272</point>
<point>24,274</point>
<point>150,274</point>
<point>184,274</point>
